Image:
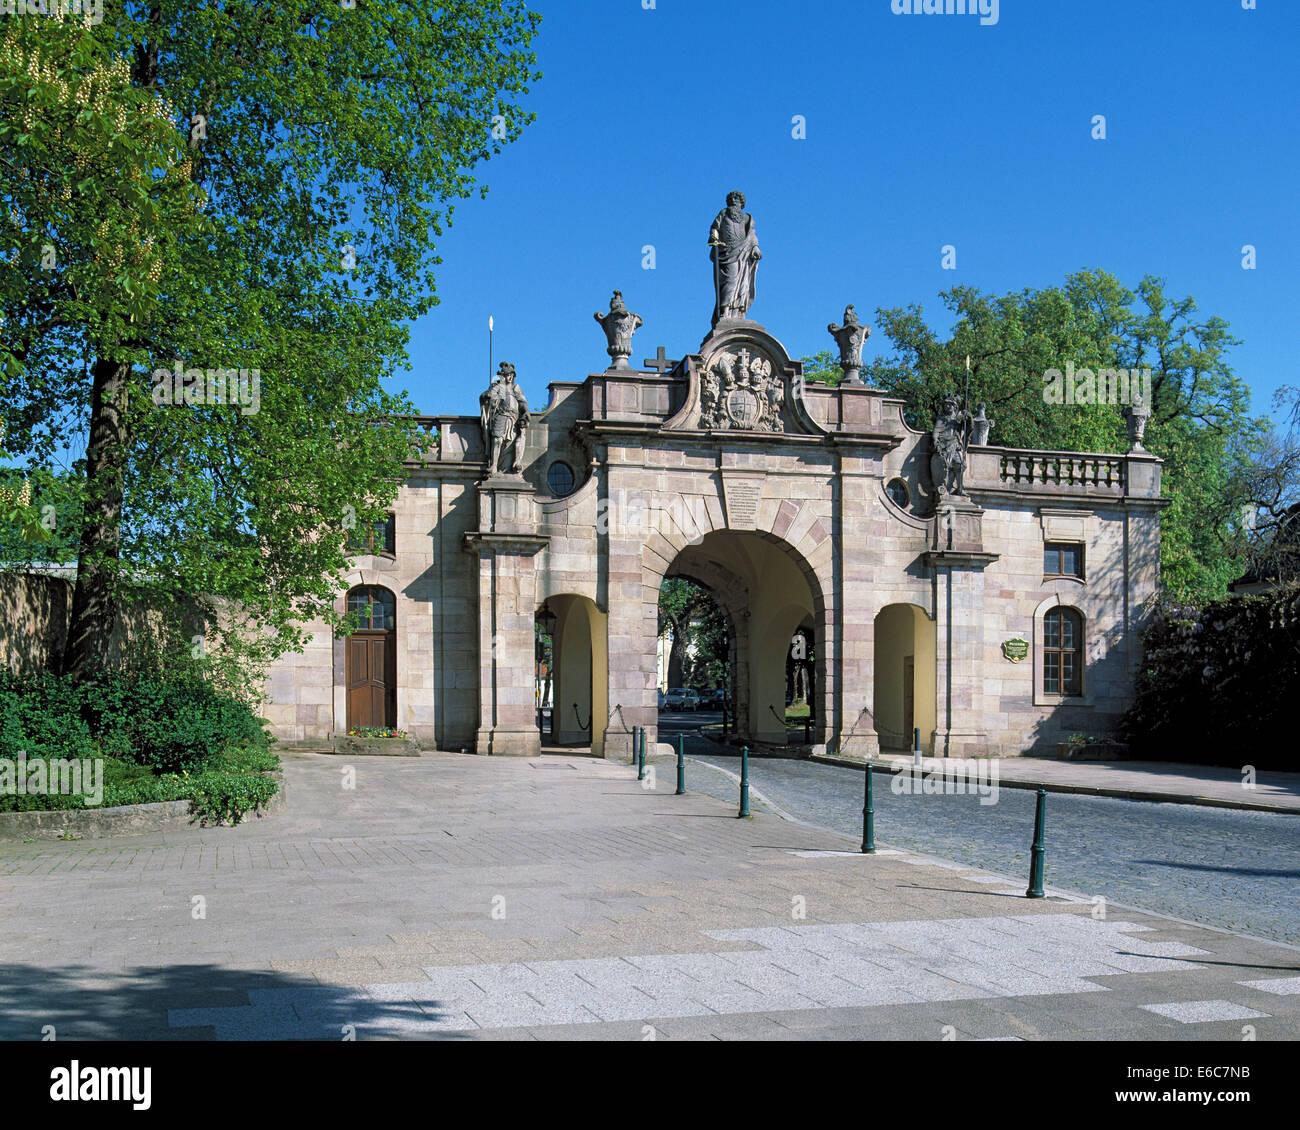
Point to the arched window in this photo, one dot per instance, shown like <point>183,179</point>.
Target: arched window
<point>1063,652</point>
<point>375,608</point>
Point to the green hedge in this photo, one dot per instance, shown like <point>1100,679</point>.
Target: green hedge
<point>1219,683</point>
<point>228,787</point>
<point>162,735</point>
<point>172,722</point>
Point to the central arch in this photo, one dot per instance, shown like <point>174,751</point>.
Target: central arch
<point>767,591</point>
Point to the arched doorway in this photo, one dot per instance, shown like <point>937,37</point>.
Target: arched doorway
<point>579,672</point>
<point>371,662</point>
<point>904,684</point>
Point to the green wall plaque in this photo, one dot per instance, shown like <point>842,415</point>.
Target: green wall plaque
<point>1015,650</point>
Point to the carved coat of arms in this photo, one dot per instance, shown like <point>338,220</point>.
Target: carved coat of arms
<point>739,391</point>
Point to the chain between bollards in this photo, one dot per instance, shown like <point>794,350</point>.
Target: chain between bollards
<point>868,818</point>
<point>640,758</point>
<point>744,781</point>
<point>1037,851</point>
<point>681,764</point>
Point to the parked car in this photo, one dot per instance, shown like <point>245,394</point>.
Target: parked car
<point>680,698</point>
<point>662,699</point>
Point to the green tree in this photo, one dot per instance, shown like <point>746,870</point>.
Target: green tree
<point>711,637</point>
<point>1266,488</point>
<point>700,631</point>
<point>1200,424</point>
<point>236,187</point>
<point>44,518</point>
<point>680,601</point>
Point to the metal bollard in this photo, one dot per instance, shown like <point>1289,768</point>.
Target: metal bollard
<point>869,819</point>
<point>640,760</point>
<point>1037,851</point>
<point>744,781</point>
<point>916,746</point>
<point>681,764</point>
<point>635,730</point>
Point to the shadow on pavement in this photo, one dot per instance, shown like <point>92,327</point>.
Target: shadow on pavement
<point>80,1003</point>
<point>1263,872</point>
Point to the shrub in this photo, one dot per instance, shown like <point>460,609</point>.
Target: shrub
<point>1218,682</point>
<point>170,721</point>
<point>163,735</point>
<point>41,714</point>
<point>223,793</point>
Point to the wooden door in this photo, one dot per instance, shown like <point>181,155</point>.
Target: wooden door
<point>372,683</point>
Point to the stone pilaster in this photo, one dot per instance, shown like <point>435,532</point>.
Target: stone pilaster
<point>957,562</point>
<point>852,608</point>
<point>507,546</point>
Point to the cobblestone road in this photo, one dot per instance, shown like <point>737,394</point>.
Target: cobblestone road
<point>1233,869</point>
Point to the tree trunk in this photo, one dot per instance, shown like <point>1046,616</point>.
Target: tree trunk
<point>676,657</point>
<point>94,610</point>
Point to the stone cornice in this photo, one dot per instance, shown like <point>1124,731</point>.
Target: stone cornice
<point>634,429</point>
<point>950,558</point>
<point>1054,496</point>
<point>476,542</point>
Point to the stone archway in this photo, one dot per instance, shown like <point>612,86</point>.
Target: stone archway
<point>581,662</point>
<point>904,682</point>
<point>767,590</point>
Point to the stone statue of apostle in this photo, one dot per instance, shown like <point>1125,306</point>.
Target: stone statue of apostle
<point>735,254</point>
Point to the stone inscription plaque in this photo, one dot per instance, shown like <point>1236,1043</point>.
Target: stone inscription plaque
<point>742,496</point>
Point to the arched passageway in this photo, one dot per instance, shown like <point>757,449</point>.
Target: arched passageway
<point>904,685</point>
<point>579,672</point>
<point>767,593</point>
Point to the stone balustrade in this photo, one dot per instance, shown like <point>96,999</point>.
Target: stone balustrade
<point>1136,474</point>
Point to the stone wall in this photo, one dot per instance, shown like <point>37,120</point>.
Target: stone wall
<point>34,610</point>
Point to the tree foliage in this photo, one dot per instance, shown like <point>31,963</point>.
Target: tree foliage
<point>701,637</point>
<point>1214,673</point>
<point>1200,422</point>
<point>233,187</point>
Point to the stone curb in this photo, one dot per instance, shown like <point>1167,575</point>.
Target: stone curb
<point>121,820</point>
<point>1093,790</point>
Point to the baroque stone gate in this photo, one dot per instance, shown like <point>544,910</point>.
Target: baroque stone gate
<point>989,598</point>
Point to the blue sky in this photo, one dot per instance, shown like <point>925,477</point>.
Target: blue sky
<point>922,130</point>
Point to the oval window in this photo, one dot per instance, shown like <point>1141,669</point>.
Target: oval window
<point>899,494</point>
<point>559,478</point>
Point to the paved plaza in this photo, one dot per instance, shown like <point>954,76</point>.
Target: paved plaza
<point>453,896</point>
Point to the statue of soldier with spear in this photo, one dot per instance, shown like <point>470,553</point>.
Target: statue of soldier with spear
<point>951,436</point>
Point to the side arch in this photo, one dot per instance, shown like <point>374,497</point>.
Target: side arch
<point>904,676</point>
